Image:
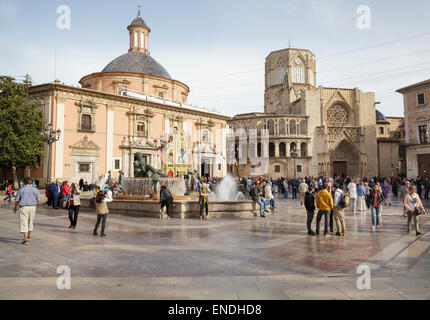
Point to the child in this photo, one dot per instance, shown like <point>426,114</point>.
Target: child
<point>102,212</point>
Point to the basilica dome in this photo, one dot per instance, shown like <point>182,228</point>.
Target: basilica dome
<point>137,62</point>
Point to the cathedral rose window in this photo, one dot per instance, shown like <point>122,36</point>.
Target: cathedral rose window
<point>337,116</point>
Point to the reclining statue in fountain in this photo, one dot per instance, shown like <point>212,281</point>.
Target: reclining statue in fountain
<point>143,170</point>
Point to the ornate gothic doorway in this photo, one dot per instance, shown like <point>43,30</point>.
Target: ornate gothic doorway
<point>345,160</point>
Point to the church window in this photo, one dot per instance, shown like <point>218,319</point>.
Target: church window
<point>282,149</point>
<point>303,150</point>
<point>141,129</point>
<point>337,116</point>
<point>142,40</point>
<point>303,130</point>
<point>117,164</point>
<point>271,125</point>
<point>293,147</point>
<point>86,122</point>
<point>381,130</point>
<point>136,39</point>
<point>423,134</point>
<point>299,169</point>
<point>282,126</point>
<point>278,169</point>
<point>161,95</point>
<point>271,149</point>
<point>252,150</point>
<point>259,150</point>
<point>299,71</point>
<point>205,136</point>
<point>293,128</point>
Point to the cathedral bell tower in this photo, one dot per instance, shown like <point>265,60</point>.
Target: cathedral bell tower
<point>139,35</point>
<point>289,73</point>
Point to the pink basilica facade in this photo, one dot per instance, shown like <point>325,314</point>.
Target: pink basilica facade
<point>133,106</point>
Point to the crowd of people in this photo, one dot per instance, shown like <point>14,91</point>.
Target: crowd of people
<point>331,196</point>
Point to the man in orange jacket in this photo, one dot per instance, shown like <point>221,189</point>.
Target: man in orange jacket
<point>324,204</point>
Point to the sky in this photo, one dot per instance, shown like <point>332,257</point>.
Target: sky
<point>218,48</point>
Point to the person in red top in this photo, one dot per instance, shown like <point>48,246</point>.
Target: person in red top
<point>377,199</point>
<point>65,190</point>
<point>9,192</point>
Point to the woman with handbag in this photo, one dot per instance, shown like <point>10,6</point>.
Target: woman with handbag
<point>376,201</point>
<point>414,208</point>
<point>74,205</point>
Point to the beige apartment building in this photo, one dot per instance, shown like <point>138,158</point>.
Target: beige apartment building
<point>416,99</point>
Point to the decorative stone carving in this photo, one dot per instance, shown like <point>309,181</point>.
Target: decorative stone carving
<point>337,116</point>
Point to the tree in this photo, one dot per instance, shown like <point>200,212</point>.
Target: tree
<point>21,125</point>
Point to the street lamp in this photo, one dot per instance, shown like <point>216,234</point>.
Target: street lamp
<point>50,136</point>
<point>294,154</point>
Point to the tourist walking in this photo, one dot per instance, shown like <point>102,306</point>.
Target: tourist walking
<point>414,209</point>
<point>102,212</point>
<point>404,193</point>
<point>303,188</point>
<point>9,192</point>
<point>74,205</point>
<point>386,192</point>
<point>339,210</point>
<point>203,200</point>
<point>25,203</point>
<point>166,200</point>
<point>285,184</point>
<point>377,200</point>
<point>361,197</point>
<point>352,188</point>
<point>81,184</point>
<point>54,191</point>
<point>324,203</point>
<point>310,209</point>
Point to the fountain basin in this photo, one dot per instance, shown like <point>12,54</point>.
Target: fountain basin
<point>184,209</point>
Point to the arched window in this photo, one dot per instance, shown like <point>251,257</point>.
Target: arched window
<point>304,150</point>
<point>299,71</point>
<point>142,40</point>
<point>205,136</point>
<point>293,147</point>
<point>303,130</point>
<point>293,128</point>
<point>282,149</point>
<point>271,149</point>
<point>252,150</point>
<point>259,150</point>
<point>281,126</point>
<point>271,125</point>
<point>141,129</point>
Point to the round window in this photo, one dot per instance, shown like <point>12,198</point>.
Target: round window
<point>337,116</point>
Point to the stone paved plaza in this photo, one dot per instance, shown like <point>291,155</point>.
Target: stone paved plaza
<point>256,259</point>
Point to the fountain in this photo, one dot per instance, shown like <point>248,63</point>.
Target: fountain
<point>140,199</point>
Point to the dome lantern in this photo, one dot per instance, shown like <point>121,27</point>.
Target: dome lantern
<point>139,35</point>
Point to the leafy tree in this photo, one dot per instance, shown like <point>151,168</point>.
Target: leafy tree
<point>21,125</point>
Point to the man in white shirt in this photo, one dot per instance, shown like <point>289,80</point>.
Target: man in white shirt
<point>339,211</point>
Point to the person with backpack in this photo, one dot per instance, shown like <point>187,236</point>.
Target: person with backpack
<point>376,201</point>
<point>340,203</point>
<point>310,209</point>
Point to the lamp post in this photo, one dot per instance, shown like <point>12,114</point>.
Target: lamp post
<point>294,155</point>
<point>50,136</point>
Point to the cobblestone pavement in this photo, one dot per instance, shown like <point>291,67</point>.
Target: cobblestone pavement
<point>261,258</point>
